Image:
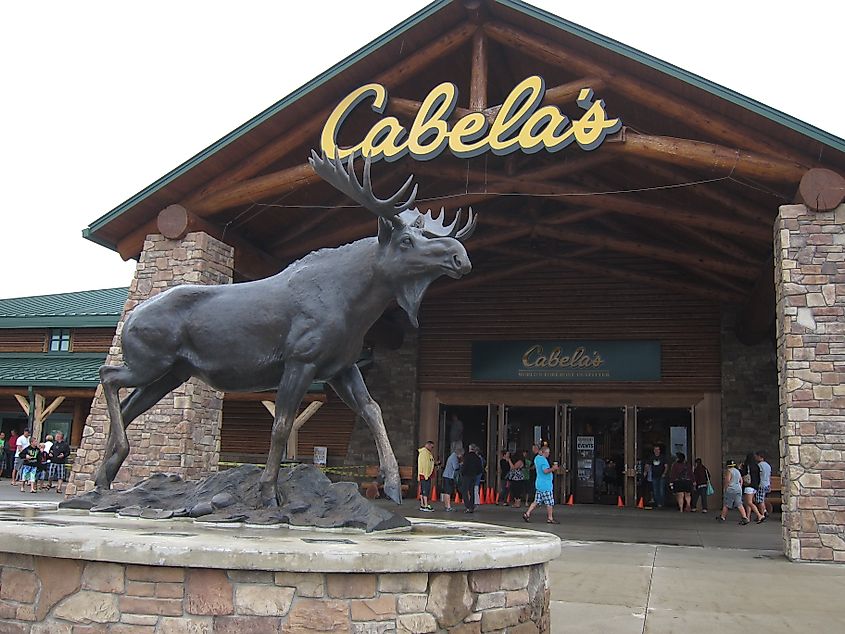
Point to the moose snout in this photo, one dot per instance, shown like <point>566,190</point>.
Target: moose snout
<point>461,264</point>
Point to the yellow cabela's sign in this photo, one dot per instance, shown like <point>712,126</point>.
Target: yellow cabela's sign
<point>521,124</point>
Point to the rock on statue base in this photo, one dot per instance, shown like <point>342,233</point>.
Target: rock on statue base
<point>310,500</point>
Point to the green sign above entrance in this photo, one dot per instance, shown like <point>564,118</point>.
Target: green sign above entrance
<point>563,361</point>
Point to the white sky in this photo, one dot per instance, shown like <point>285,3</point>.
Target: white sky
<point>101,98</point>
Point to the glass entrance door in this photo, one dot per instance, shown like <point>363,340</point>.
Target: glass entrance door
<point>670,429</point>
<point>598,454</point>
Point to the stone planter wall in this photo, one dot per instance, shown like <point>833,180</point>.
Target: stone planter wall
<point>47,595</point>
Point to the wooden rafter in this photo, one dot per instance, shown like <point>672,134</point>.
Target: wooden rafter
<point>618,203</point>
<point>673,284</point>
<point>709,156</point>
<point>250,261</point>
<point>557,95</point>
<point>643,249</point>
<point>302,131</point>
<point>639,91</point>
<point>478,78</point>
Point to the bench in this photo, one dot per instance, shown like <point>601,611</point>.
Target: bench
<point>775,496</point>
<point>373,488</point>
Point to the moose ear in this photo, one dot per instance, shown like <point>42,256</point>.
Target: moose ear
<point>385,229</point>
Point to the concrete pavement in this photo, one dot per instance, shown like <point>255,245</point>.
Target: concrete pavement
<point>616,588</point>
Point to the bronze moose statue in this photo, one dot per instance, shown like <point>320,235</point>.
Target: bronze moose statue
<point>307,322</point>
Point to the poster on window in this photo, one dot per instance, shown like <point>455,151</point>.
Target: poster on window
<point>320,454</point>
<point>678,440</point>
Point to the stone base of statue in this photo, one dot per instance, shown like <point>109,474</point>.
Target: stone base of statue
<point>66,571</point>
<point>310,499</point>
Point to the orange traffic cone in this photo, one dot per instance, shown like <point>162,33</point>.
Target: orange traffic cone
<point>640,504</point>
<point>571,500</point>
<point>457,498</point>
<point>433,497</point>
<point>481,499</point>
<point>498,495</point>
<point>619,503</point>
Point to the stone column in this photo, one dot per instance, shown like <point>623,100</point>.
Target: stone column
<point>181,434</point>
<point>810,292</point>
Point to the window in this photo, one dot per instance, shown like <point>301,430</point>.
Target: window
<point>59,340</point>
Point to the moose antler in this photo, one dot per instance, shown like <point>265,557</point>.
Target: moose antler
<point>435,226</point>
<point>345,180</point>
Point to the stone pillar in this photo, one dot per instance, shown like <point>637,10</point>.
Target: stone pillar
<point>181,434</point>
<point>810,292</point>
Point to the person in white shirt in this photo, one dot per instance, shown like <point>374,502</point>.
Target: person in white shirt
<point>20,445</point>
<point>765,483</point>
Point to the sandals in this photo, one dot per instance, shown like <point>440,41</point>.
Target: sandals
<point>525,517</point>
<point>552,522</point>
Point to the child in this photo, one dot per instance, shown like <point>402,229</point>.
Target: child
<point>31,457</point>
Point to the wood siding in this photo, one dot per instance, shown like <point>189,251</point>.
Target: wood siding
<point>91,339</point>
<point>247,425</point>
<point>23,340</point>
<point>558,304</point>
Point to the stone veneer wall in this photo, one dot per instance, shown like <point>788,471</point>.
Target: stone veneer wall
<point>181,434</point>
<point>810,292</point>
<point>45,595</point>
<point>392,382</point>
<point>749,396</point>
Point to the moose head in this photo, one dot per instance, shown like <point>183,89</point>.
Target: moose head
<point>414,248</point>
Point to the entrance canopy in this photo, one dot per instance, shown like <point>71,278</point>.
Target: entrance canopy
<point>682,197</point>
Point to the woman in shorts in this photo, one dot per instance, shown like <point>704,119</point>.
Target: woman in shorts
<point>750,471</point>
<point>680,481</point>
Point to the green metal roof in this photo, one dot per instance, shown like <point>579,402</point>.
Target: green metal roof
<point>517,5</point>
<point>72,369</point>
<point>64,310</point>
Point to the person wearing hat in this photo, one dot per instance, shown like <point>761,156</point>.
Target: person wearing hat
<point>733,493</point>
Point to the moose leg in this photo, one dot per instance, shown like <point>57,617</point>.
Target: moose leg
<point>350,387</point>
<point>295,381</point>
<point>122,414</point>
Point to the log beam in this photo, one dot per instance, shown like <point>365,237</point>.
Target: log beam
<point>256,189</point>
<point>643,249</point>
<point>709,156</point>
<point>558,95</point>
<point>301,132</point>
<point>618,203</point>
<point>639,91</point>
<point>478,78</point>
<point>175,222</point>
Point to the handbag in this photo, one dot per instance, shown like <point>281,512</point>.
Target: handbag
<point>710,489</point>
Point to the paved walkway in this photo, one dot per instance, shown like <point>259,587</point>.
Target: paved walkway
<point>589,522</point>
<point>612,588</point>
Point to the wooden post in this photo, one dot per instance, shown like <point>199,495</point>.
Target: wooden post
<point>300,420</point>
<point>478,79</point>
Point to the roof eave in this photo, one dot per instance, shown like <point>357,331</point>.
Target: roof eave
<point>90,232</point>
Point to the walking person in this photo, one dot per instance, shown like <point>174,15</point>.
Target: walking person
<point>425,471</point>
<point>701,486</point>
<point>765,483</point>
<point>680,481</point>
<point>733,494</point>
<point>59,453</point>
<point>658,476</point>
<point>750,471</point>
<point>516,478</point>
<point>470,472</point>
<point>450,473</point>
<point>504,483</point>
<point>543,486</point>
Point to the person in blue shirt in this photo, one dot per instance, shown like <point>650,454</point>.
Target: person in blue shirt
<point>543,486</point>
